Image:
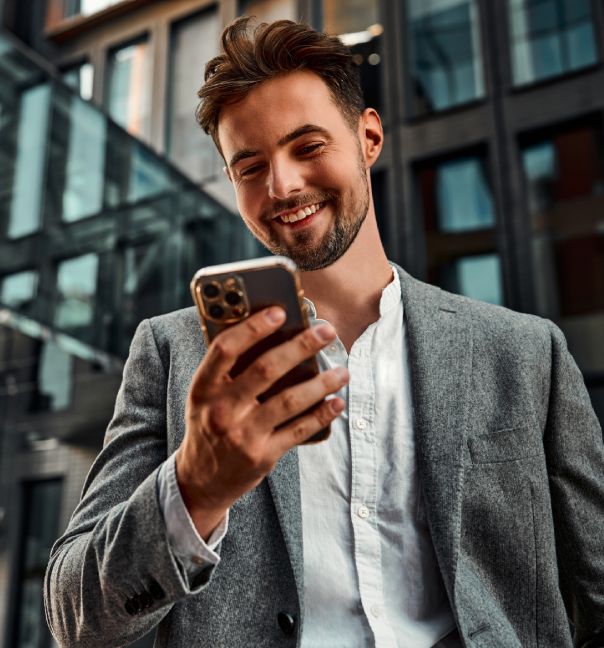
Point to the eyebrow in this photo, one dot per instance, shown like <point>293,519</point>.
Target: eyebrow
<point>286,139</point>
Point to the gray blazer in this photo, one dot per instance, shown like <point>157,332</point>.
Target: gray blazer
<point>512,468</point>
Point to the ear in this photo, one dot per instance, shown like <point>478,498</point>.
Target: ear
<point>371,135</point>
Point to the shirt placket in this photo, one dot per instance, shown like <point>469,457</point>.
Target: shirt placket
<point>364,492</point>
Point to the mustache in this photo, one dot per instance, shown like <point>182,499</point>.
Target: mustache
<point>293,203</point>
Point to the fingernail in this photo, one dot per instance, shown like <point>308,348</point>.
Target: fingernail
<point>275,315</point>
<point>324,332</point>
<point>336,405</point>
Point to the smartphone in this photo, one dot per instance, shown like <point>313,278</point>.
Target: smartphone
<point>226,294</point>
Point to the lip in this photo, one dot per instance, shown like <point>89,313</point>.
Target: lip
<point>305,222</point>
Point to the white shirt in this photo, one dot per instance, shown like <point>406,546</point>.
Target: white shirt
<point>370,573</point>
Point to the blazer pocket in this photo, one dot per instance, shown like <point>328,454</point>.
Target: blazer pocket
<point>506,445</point>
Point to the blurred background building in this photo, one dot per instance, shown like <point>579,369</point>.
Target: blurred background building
<point>491,184</point>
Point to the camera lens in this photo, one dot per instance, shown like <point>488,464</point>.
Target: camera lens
<point>211,291</point>
<point>232,298</point>
<point>216,311</point>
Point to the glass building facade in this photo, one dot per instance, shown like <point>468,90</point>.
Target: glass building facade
<point>490,184</point>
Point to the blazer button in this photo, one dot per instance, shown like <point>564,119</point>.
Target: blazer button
<point>156,591</point>
<point>146,599</point>
<point>287,622</point>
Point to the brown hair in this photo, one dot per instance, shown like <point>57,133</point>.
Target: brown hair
<point>272,50</point>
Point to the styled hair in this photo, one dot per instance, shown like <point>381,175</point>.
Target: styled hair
<point>271,50</point>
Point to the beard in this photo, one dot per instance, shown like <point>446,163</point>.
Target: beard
<point>348,215</point>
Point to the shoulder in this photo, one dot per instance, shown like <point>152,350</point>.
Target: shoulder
<point>175,325</point>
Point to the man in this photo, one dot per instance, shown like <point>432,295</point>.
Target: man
<point>459,499</point>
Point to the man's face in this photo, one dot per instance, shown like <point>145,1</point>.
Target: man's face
<point>298,169</point>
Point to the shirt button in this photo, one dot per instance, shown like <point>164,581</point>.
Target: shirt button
<point>376,610</point>
<point>361,423</point>
<point>198,560</point>
<point>333,348</point>
<point>363,512</point>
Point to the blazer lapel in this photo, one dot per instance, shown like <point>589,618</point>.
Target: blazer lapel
<point>440,346</point>
<point>284,484</point>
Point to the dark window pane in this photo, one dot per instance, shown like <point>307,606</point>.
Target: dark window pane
<point>459,218</point>
<point>87,7</point>
<point>194,41</point>
<point>128,95</point>
<point>550,37</point>
<point>445,53</point>
<point>41,506</point>
<point>356,23</point>
<point>564,177</point>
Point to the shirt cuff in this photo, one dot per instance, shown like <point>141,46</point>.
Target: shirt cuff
<point>192,552</point>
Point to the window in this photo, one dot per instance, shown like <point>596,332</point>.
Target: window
<point>459,217</point>
<point>128,96</point>
<point>18,290</point>
<point>80,77</point>
<point>194,41</point>
<point>28,184</point>
<point>357,24</point>
<point>84,160</point>
<point>445,59</point>
<point>76,288</point>
<point>564,178</point>
<point>54,379</point>
<point>550,38</point>
<point>41,510</point>
<point>269,10</point>
<point>87,7</point>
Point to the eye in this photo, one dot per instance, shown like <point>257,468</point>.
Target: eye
<point>311,148</point>
<point>250,171</point>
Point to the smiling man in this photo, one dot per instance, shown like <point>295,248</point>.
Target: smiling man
<point>459,500</point>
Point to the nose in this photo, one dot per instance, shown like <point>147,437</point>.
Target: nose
<point>284,179</point>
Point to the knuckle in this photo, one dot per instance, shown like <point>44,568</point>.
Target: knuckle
<point>331,382</point>
<point>299,431</point>
<point>264,369</point>
<point>308,342</point>
<point>254,324</point>
<point>291,402</point>
<point>222,348</point>
<point>218,417</point>
<point>323,415</point>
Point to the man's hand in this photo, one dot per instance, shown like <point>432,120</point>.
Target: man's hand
<point>230,441</point>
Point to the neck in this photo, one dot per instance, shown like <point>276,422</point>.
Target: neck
<point>347,293</point>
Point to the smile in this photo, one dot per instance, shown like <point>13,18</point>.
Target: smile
<point>300,214</point>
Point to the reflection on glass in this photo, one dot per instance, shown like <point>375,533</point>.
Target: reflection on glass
<point>19,289</point>
<point>463,196</point>
<point>357,24</point>
<point>42,506</point>
<point>76,287</point>
<point>445,53</point>
<point>269,10</point>
<point>550,37</point>
<point>478,277</point>
<point>80,78</point>
<point>194,41</point>
<point>54,377</point>
<point>30,163</point>
<point>564,176</point>
<point>459,218</point>
<point>85,163</point>
<point>129,88</point>
<point>147,175</point>
<point>87,7</point>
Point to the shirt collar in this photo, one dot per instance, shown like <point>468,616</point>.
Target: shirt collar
<point>391,297</point>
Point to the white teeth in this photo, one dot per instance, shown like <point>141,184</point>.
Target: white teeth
<point>300,214</point>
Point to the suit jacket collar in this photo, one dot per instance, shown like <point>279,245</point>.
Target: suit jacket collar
<point>440,350</point>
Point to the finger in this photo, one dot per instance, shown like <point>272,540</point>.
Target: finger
<point>276,362</point>
<point>294,401</point>
<point>229,344</point>
<point>304,427</point>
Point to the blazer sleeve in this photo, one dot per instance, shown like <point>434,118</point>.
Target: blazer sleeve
<point>112,576</point>
<point>575,456</point>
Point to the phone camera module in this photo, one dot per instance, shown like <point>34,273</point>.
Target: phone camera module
<point>233,298</point>
<point>211,290</point>
<point>216,311</point>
